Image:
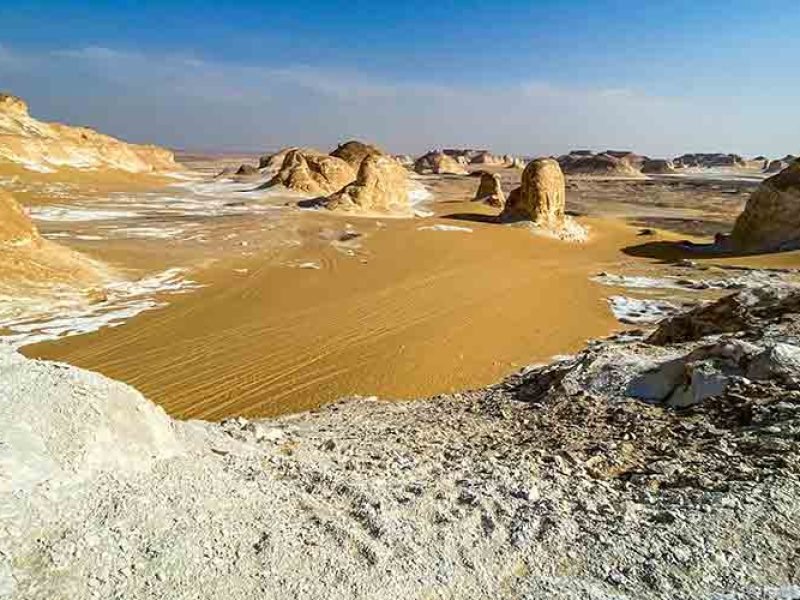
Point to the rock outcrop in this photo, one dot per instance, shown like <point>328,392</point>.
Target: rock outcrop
<point>778,165</point>
<point>381,186</point>
<point>541,199</point>
<point>272,163</point>
<point>490,190</point>
<point>46,147</point>
<point>708,160</point>
<point>599,165</point>
<point>658,166</point>
<point>354,152</point>
<point>771,218</point>
<point>438,163</point>
<point>487,158</point>
<point>312,174</point>
<point>16,227</point>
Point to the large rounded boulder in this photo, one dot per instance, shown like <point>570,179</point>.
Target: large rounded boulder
<point>771,218</point>
<point>438,163</point>
<point>380,187</point>
<point>541,199</point>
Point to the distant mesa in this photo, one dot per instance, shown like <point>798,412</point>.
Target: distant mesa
<point>541,199</point>
<point>46,147</point>
<point>438,163</point>
<point>658,166</point>
<point>381,187</point>
<point>490,190</point>
<point>312,174</point>
<point>771,218</point>
<point>626,165</point>
<point>709,160</point>
<point>354,152</point>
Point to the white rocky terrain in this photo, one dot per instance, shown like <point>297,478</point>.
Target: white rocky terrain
<point>661,466</point>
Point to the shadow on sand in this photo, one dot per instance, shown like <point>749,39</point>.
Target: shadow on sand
<point>671,252</point>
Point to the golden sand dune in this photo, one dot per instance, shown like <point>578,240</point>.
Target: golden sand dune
<point>431,310</point>
<point>44,147</point>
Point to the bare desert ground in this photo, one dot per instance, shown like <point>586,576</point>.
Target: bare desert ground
<point>264,308</point>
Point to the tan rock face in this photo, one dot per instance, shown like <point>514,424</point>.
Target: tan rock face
<point>771,219</point>
<point>438,163</point>
<point>16,226</point>
<point>312,174</point>
<point>381,187</point>
<point>487,158</point>
<point>43,146</point>
<point>354,152</point>
<point>490,190</point>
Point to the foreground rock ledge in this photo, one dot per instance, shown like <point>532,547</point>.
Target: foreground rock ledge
<point>556,483</point>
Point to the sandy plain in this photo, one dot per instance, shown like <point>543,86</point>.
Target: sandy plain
<point>298,308</point>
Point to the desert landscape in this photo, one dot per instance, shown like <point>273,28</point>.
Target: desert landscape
<point>348,370</point>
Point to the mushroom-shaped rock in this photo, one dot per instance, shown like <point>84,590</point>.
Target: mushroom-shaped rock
<point>380,187</point>
<point>313,174</point>
<point>438,163</point>
<point>354,152</point>
<point>541,199</point>
<point>771,218</point>
<point>490,190</point>
<point>16,226</point>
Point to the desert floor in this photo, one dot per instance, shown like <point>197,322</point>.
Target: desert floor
<point>270,309</point>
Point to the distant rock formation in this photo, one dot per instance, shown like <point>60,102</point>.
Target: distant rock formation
<point>487,158</point>
<point>247,171</point>
<point>599,165</point>
<point>312,174</point>
<point>708,160</point>
<point>658,166</point>
<point>272,163</point>
<point>354,152</point>
<point>490,190</point>
<point>771,218</point>
<point>404,159</point>
<point>438,163</point>
<point>778,165</point>
<point>380,187</point>
<point>541,199</point>
<point>45,147</point>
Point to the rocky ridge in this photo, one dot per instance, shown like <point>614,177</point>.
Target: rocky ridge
<point>46,147</point>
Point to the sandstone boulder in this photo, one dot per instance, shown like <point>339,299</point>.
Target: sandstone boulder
<point>490,190</point>
<point>541,199</point>
<point>438,163</point>
<point>272,163</point>
<point>312,174</point>
<point>380,187</point>
<point>354,152</point>
<point>487,158</point>
<point>771,218</point>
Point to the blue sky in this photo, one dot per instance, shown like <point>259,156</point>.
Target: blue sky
<point>528,77</point>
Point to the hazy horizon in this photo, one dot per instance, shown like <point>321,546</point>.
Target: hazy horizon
<point>543,79</point>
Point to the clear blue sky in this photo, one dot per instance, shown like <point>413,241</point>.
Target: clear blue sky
<point>518,76</point>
